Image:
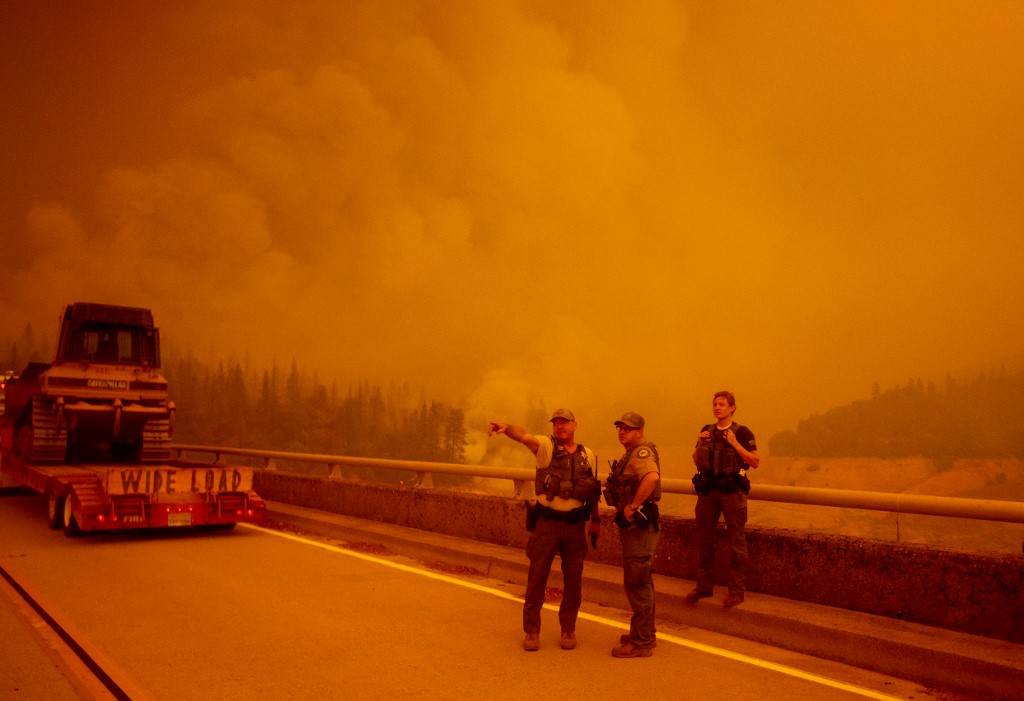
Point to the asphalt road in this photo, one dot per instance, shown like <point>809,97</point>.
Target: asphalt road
<point>255,613</point>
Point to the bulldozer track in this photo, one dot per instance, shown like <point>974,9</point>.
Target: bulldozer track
<point>49,439</point>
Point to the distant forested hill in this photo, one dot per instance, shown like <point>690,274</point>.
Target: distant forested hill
<point>983,418</point>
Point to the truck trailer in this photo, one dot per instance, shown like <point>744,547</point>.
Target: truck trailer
<point>92,432</point>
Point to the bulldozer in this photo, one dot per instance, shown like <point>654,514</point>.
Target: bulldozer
<point>101,399</point>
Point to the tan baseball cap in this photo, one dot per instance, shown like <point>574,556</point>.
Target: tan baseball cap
<point>563,414</point>
<point>631,419</point>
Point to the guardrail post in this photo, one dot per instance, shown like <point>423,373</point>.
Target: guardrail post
<point>219,460</point>
<point>269,464</point>
<point>335,471</point>
<point>423,480</point>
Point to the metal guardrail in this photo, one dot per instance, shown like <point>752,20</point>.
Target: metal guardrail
<point>522,479</point>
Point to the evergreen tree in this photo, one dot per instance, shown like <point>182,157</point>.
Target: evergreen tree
<point>454,442</point>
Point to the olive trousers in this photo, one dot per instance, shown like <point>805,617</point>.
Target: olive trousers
<point>638,545</point>
<point>551,537</point>
<point>733,508</point>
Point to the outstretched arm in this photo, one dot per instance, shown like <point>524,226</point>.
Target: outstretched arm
<point>516,433</point>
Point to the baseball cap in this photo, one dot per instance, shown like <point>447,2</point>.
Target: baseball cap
<point>631,419</point>
<point>563,414</point>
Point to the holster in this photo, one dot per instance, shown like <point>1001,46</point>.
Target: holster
<point>646,516</point>
<point>703,483</point>
<point>532,515</point>
<point>649,515</point>
<point>640,519</point>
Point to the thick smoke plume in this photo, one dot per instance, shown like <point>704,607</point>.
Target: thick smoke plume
<point>517,205</point>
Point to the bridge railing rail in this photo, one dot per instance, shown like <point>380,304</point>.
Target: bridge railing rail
<point>523,479</point>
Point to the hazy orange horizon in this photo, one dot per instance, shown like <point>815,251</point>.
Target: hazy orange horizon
<point>512,204</point>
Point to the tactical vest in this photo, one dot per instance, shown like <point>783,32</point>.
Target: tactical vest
<point>631,483</point>
<point>568,475</point>
<point>721,458</point>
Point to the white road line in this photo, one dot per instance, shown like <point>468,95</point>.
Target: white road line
<point>662,637</point>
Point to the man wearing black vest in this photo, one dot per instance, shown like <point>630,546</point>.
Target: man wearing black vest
<point>567,499</point>
<point>724,452</point>
<point>634,488</point>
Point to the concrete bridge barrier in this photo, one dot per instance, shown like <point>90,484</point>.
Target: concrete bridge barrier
<point>959,591</point>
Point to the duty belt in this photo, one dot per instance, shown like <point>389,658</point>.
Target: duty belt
<point>574,516</point>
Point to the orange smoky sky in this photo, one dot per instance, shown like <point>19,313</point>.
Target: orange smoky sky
<point>512,205</point>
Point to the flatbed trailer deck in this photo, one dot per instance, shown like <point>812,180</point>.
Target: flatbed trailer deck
<point>107,496</point>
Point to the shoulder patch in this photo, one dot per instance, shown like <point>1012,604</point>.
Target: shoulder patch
<point>643,453</point>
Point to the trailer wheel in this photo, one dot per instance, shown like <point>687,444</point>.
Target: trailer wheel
<point>55,511</point>
<point>71,529</point>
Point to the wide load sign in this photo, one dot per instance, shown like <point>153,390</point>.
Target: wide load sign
<point>178,481</point>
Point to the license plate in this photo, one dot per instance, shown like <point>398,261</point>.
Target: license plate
<point>179,519</point>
